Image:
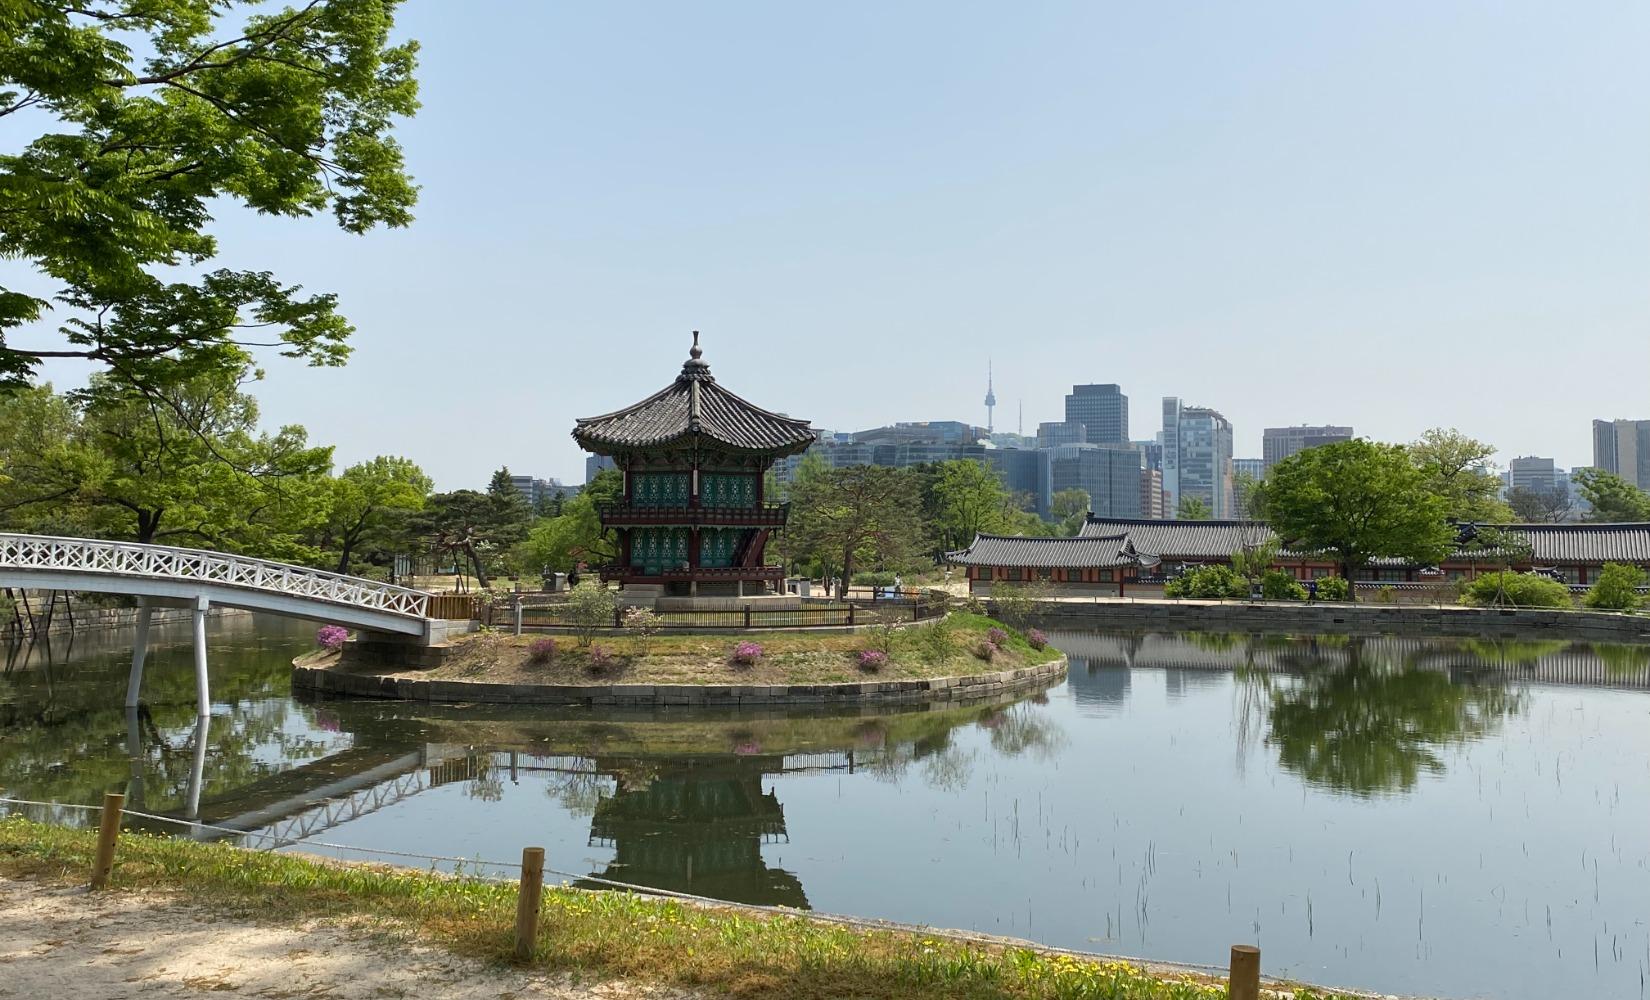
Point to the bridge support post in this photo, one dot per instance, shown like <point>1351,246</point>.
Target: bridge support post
<point>140,649</point>
<point>203,696</point>
<point>197,771</point>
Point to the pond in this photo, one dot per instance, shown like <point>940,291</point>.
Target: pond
<point>1424,816</point>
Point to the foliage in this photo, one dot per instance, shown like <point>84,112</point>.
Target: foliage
<point>747,653</point>
<point>1280,585</point>
<point>868,578</point>
<point>1250,492</point>
<point>457,525</point>
<point>857,514</point>
<point>1037,638</point>
<point>590,606</point>
<point>598,660</point>
<point>1215,582</point>
<point>1252,561</point>
<point>967,498</point>
<point>886,636</point>
<point>542,650</point>
<point>510,515</point>
<point>1359,501</point>
<point>1616,588</point>
<point>872,659</point>
<point>1016,603</point>
<point>1506,589</point>
<point>1612,497</point>
<point>997,637</point>
<point>1070,508</point>
<point>1456,469</point>
<point>371,500</point>
<point>1532,505</point>
<point>1333,588</point>
<point>987,650</point>
<point>153,116</point>
<point>331,637</point>
<point>642,624</point>
<point>1192,508</point>
<point>561,543</point>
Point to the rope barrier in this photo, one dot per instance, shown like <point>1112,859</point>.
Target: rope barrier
<point>863,923</point>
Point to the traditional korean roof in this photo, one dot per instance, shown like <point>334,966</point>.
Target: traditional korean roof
<point>1587,543</point>
<point>1087,551</point>
<point>1181,539</point>
<point>693,406</point>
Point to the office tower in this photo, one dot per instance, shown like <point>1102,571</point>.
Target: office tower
<point>1103,410</point>
<point>1197,456</point>
<point>1278,443</point>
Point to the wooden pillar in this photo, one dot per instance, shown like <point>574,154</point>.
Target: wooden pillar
<point>203,695</point>
<point>107,830</point>
<point>1243,980</point>
<point>140,649</point>
<point>527,901</point>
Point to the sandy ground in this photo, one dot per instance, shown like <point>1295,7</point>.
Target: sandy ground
<point>57,942</point>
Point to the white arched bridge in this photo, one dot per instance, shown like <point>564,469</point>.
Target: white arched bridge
<point>162,574</point>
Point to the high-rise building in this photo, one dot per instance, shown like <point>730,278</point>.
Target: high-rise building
<point>1254,468</point>
<point>1197,456</point>
<point>1110,476</point>
<point>1025,473</point>
<point>596,463</point>
<point>1623,447</point>
<point>1151,454</point>
<point>1278,443</point>
<point>1103,409</point>
<point>1054,433</point>
<point>1151,494</point>
<point>1532,473</point>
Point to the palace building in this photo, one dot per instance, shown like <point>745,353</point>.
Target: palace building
<point>693,521</point>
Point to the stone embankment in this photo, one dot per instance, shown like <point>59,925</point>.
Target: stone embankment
<point>340,679</point>
<point>87,619</point>
<point>1238,616</point>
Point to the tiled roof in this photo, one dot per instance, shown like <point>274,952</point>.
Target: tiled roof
<point>1012,550</point>
<point>1181,539</point>
<point>1587,543</point>
<point>692,405</point>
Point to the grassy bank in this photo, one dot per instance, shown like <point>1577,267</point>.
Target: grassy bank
<point>607,935</point>
<point>946,647</point>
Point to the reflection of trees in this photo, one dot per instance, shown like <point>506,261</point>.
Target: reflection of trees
<point>1369,728</point>
<point>1020,728</point>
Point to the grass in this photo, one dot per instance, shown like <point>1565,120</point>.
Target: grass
<point>942,648</point>
<point>609,935</point>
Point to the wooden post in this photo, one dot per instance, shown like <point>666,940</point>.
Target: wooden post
<point>108,828</point>
<point>527,901</point>
<point>1243,982</point>
<point>850,614</point>
<point>747,615</point>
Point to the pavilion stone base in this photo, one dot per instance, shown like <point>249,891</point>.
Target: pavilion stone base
<point>756,602</point>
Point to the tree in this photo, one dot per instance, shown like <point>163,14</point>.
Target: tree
<point>1534,505</point>
<point>1070,508</point>
<point>1358,501</point>
<point>369,497</point>
<point>857,513</point>
<point>1252,561</point>
<point>1517,590</point>
<point>561,543</point>
<point>590,606</point>
<point>1193,508</point>
<point>1457,468</point>
<point>1249,490</point>
<point>456,525</point>
<point>1616,588</point>
<point>158,112</point>
<point>1612,497</point>
<point>512,513</point>
<point>968,499</point>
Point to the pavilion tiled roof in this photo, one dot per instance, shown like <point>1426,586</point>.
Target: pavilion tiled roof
<point>1016,550</point>
<point>693,406</point>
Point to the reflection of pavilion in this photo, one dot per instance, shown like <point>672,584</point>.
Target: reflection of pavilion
<point>695,824</point>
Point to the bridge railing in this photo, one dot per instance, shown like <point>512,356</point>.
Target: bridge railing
<point>93,556</point>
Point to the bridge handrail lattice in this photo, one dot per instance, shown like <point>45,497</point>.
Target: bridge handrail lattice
<point>86,555</point>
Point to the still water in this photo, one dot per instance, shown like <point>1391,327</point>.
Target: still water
<point>1441,817</point>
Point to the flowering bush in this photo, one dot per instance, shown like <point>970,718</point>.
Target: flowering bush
<point>872,659</point>
<point>600,659</point>
<point>542,650</point>
<point>331,637</point>
<point>1037,639</point>
<point>997,637</point>
<point>746,654</point>
<point>987,650</point>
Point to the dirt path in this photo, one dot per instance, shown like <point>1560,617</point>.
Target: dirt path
<point>57,942</point>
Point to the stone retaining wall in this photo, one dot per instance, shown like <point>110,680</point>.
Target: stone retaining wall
<point>976,687</point>
<point>1166,616</point>
<point>89,619</point>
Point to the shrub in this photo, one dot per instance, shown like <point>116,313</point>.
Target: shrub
<point>600,659</point>
<point>590,606</point>
<point>873,579</point>
<point>1278,585</point>
<point>331,637</point>
<point>642,624</point>
<point>1616,589</point>
<point>1037,639</point>
<point>986,650</point>
<point>997,637</point>
<point>1208,583</point>
<point>936,639</point>
<point>1517,590</point>
<point>872,659</point>
<point>542,651</point>
<point>1386,595</point>
<point>1334,588</point>
<point>747,654</point>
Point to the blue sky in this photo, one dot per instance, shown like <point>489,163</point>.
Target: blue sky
<point>1394,215</point>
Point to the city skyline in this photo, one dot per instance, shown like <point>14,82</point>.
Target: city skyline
<point>1285,212</point>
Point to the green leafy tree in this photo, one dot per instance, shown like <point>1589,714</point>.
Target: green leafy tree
<point>1612,497</point>
<point>1358,501</point>
<point>1192,508</point>
<point>1457,469</point>
<point>1070,509</point>
<point>512,513</point>
<point>1616,588</point>
<point>561,543</point>
<point>1214,582</point>
<point>858,514</point>
<point>1249,490</point>
<point>1279,585</point>
<point>456,525</point>
<point>158,113</point>
<point>1506,589</point>
<point>372,498</point>
<point>1252,561</point>
<point>590,606</point>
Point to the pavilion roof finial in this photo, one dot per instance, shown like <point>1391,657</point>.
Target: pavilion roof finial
<point>696,366</point>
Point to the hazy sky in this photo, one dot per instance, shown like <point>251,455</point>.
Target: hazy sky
<point>1393,215</point>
